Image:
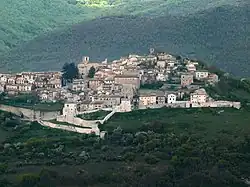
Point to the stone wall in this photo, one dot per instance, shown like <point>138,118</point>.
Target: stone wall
<point>188,104</point>
<point>77,121</point>
<point>70,128</point>
<point>30,114</point>
<point>11,109</point>
<point>107,117</point>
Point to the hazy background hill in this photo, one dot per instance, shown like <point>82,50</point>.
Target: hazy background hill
<point>22,20</point>
<point>38,35</point>
<point>218,35</point>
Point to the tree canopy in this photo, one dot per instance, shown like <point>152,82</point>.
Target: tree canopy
<point>91,73</point>
<point>70,71</point>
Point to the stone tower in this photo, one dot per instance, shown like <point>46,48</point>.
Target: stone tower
<point>85,59</point>
<point>151,50</point>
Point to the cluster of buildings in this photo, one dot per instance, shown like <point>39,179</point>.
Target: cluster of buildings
<point>120,83</point>
<point>27,82</point>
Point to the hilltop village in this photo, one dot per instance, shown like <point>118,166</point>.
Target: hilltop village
<point>123,83</point>
<point>131,83</point>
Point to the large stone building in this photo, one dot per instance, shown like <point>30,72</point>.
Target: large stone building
<point>85,65</point>
<point>95,83</point>
<point>171,98</point>
<point>78,85</point>
<point>128,80</point>
<point>201,74</point>
<point>125,105</point>
<point>199,96</point>
<point>70,109</point>
<point>186,79</point>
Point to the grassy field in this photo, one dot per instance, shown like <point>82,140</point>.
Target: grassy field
<point>208,122</point>
<point>45,107</point>
<point>186,141</point>
<point>95,115</point>
<point>65,123</point>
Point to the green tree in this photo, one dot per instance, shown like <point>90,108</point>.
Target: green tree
<point>91,72</point>
<point>70,72</point>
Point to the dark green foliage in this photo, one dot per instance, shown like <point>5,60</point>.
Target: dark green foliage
<point>153,86</point>
<point>30,101</point>
<point>70,71</point>
<point>91,73</point>
<point>154,147</point>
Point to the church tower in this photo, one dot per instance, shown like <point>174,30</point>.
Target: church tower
<point>85,59</point>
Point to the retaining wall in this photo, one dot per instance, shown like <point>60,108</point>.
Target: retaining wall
<point>29,113</point>
<point>70,128</point>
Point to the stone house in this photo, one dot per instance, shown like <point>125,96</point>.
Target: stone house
<point>21,80</point>
<point>212,78</point>
<point>70,109</point>
<point>160,99</point>
<point>96,105</point>
<point>108,100</point>
<point>39,83</point>
<point>57,83</point>
<point>161,77</point>
<point>84,66</point>
<point>128,79</point>
<point>29,76</point>
<point>94,83</point>
<point>161,64</point>
<point>102,73</point>
<point>171,64</point>
<point>78,85</point>
<point>127,91</point>
<point>11,80</point>
<point>25,87</point>
<point>125,105</point>
<point>109,80</point>
<point>3,79</point>
<point>186,79</point>
<point>11,87</point>
<point>2,87</point>
<point>171,98</point>
<point>191,67</point>
<point>48,95</point>
<point>147,99</point>
<point>201,74</point>
<point>199,96</point>
<point>84,105</point>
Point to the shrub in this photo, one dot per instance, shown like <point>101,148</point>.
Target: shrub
<point>150,159</point>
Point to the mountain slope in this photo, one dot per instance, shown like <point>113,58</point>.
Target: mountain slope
<point>23,20</point>
<point>219,36</point>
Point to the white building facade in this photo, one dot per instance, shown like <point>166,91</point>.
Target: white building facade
<point>171,98</point>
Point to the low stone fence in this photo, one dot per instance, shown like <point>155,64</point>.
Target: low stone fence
<point>70,128</point>
<point>107,117</point>
<point>188,104</point>
<point>29,113</point>
<point>77,121</point>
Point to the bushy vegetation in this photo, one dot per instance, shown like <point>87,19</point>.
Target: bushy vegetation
<point>30,101</point>
<point>95,115</point>
<point>70,72</point>
<point>152,86</point>
<point>176,149</point>
<point>232,89</point>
